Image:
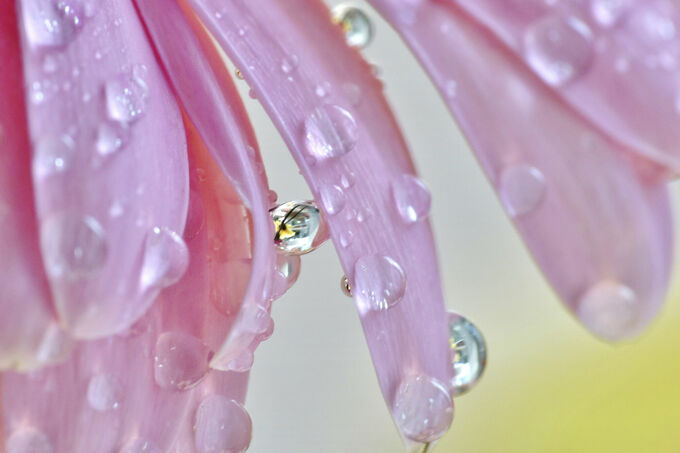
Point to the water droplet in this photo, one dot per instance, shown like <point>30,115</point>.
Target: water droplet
<point>610,310</point>
<point>330,132</point>
<point>422,408</point>
<point>653,24</point>
<point>51,23</point>
<point>353,93</point>
<point>451,88</point>
<point>287,272</point>
<point>28,440</point>
<point>345,286</point>
<point>355,25</point>
<point>239,74</point>
<point>347,179</point>
<point>379,282</point>
<point>166,259</point>
<point>411,198</point>
<point>111,137</point>
<point>55,345</point>
<point>126,96</point>
<point>346,238</point>
<point>222,425</point>
<point>558,49</point>
<point>323,89</point>
<point>468,353</point>
<point>53,155</point>
<point>608,12</point>
<point>522,188</point>
<point>140,446</point>
<point>289,63</point>
<point>181,361</point>
<point>242,363</point>
<point>332,199</point>
<point>296,225</point>
<point>103,393</point>
<point>73,246</point>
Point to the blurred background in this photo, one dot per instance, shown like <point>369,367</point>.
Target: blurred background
<point>549,386</point>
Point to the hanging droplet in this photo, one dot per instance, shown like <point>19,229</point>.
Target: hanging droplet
<point>140,446</point>
<point>127,96</point>
<point>53,155</point>
<point>298,226</point>
<point>422,408</point>
<point>166,259</point>
<point>411,198</point>
<point>222,425</point>
<point>379,282</point>
<point>346,238</point>
<point>239,74</point>
<point>330,132</point>
<point>242,363</point>
<point>289,63</point>
<point>468,353</point>
<point>522,188</point>
<point>286,273</point>
<point>103,393</point>
<point>180,361</point>
<point>332,199</point>
<point>111,137</point>
<point>346,286</point>
<point>28,440</point>
<point>52,23</point>
<point>558,49</point>
<point>610,310</point>
<point>608,12</point>
<point>355,25</point>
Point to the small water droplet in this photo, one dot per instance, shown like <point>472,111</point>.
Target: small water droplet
<point>103,393</point>
<point>116,209</point>
<point>166,259</point>
<point>181,361</point>
<point>127,96</point>
<point>379,282</point>
<point>346,238</point>
<point>28,440</point>
<point>558,49</point>
<point>51,23</point>
<point>468,353</point>
<point>332,199</point>
<point>608,12</point>
<point>353,93</point>
<point>252,93</point>
<point>55,345</point>
<point>347,179</point>
<point>323,89</point>
<point>272,196</point>
<point>242,363</point>
<point>111,137</point>
<point>140,446</point>
<point>289,63</point>
<point>522,189</point>
<point>222,425</point>
<point>355,24</point>
<point>239,74</point>
<point>610,310</point>
<point>330,132</point>
<point>297,225</point>
<point>53,155</point>
<point>287,272</point>
<point>411,198</point>
<point>422,408</point>
<point>451,88</point>
<point>345,286</point>
<point>653,25</point>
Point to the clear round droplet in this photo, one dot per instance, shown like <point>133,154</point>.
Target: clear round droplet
<point>52,23</point>
<point>559,49</point>
<point>127,96</point>
<point>411,198</point>
<point>608,12</point>
<point>346,238</point>
<point>468,353</point>
<point>330,132</point>
<point>111,137</point>
<point>355,24</point>
<point>53,155</point>
<point>289,63</point>
<point>379,282</point>
<point>522,189</point>
<point>222,426</point>
<point>103,393</point>
<point>74,246</point>
<point>181,361</point>
<point>610,310</point>
<point>332,199</point>
<point>166,259</point>
<point>28,440</point>
<point>286,273</point>
<point>140,446</point>
<point>296,227</point>
<point>422,408</point>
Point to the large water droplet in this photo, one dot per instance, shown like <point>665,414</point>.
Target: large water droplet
<point>558,49</point>
<point>103,393</point>
<point>28,440</point>
<point>610,310</point>
<point>379,282</point>
<point>330,132</point>
<point>53,155</point>
<point>422,408</point>
<point>286,273</point>
<point>296,225</point>
<point>332,199</point>
<point>127,96</point>
<point>468,353</point>
<point>51,23</point>
<point>181,360</point>
<point>522,188</point>
<point>141,446</point>
<point>411,198</point>
<point>355,25</point>
<point>73,246</point>
<point>222,425</point>
<point>608,12</point>
<point>166,259</point>
<point>111,137</point>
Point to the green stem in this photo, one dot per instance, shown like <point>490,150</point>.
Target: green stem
<point>426,448</point>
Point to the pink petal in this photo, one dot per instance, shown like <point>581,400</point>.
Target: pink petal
<point>596,218</point>
<point>109,162</point>
<point>285,50</point>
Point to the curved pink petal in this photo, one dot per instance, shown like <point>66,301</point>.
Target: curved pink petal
<point>349,148</point>
<point>109,161</point>
<point>596,218</point>
<point>615,62</point>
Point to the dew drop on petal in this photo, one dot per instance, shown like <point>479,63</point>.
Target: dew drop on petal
<point>522,189</point>
<point>222,426</point>
<point>330,132</point>
<point>297,225</point>
<point>411,198</point>
<point>166,259</point>
<point>289,63</point>
<point>180,360</point>
<point>53,155</point>
<point>28,440</point>
<point>286,273</point>
<point>332,199</point>
<point>127,96</point>
<point>422,408</point>
<point>355,24</point>
<point>608,12</point>
<point>103,393</point>
<point>51,23</point>
<point>140,446</point>
<point>346,286</point>
<point>379,282</point>
<point>111,137</point>
<point>468,353</point>
<point>242,363</point>
<point>610,310</point>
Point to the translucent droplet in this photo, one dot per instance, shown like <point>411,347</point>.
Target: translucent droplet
<point>355,25</point>
<point>346,238</point>
<point>73,246</point>
<point>222,425</point>
<point>422,408</point>
<point>345,286</point>
<point>242,363</point>
<point>55,345</point>
<point>558,49</point>
<point>353,93</point>
<point>297,225</point>
<point>111,137</point>
<point>287,272</point>
<point>332,199</point>
<point>330,132</point>
<point>522,188</point>
<point>103,393</point>
<point>468,353</point>
<point>239,74</point>
<point>140,446</point>
<point>51,23</point>
<point>323,89</point>
<point>289,63</point>
<point>411,198</point>
<point>53,155</point>
<point>379,282</point>
<point>166,259</point>
<point>28,440</point>
<point>181,361</point>
<point>451,88</point>
<point>126,97</point>
<point>653,25</point>
<point>608,12</point>
<point>610,310</point>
